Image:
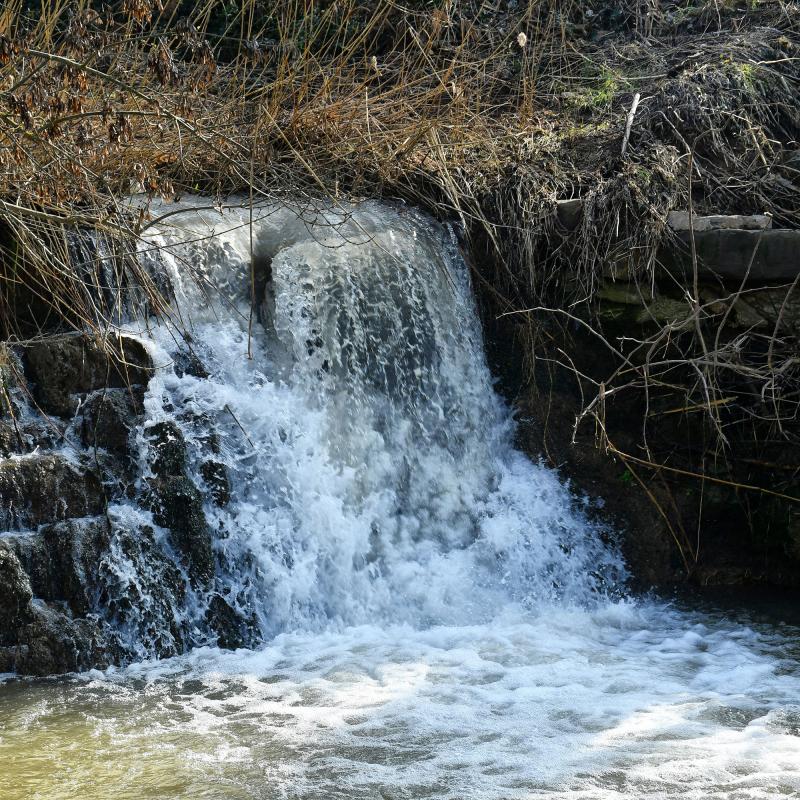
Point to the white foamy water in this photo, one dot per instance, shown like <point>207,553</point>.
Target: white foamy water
<point>373,476</point>
<point>430,614</point>
<point>624,701</point>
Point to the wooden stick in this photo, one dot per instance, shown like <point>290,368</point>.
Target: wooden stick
<point>629,123</point>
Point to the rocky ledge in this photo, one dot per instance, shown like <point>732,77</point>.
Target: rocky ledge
<point>71,433</point>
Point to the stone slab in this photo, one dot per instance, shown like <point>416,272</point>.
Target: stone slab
<point>569,213</point>
<point>683,221</point>
<point>725,253</point>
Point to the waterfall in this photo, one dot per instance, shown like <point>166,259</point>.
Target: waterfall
<point>365,590</point>
<point>369,468</point>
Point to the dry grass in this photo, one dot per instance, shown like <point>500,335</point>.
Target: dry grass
<point>474,112</point>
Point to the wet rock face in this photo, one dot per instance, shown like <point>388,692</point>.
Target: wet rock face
<point>168,449</point>
<point>62,560</point>
<point>61,368</point>
<point>217,481</point>
<point>9,440</point>
<point>54,642</point>
<point>189,363</point>
<point>15,597</point>
<point>109,415</point>
<point>142,587</point>
<point>224,619</point>
<point>6,381</point>
<point>37,489</point>
<point>56,479</point>
<point>101,546</point>
<point>177,503</point>
<point>46,581</point>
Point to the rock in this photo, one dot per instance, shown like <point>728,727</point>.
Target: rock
<point>62,560</point>
<point>7,658</point>
<point>188,363</point>
<point>53,643</point>
<point>569,213</point>
<point>10,442</point>
<point>663,310</point>
<point>773,305</point>
<point>169,449</point>
<point>64,366</point>
<point>791,159</point>
<point>37,489</point>
<point>142,585</point>
<point>231,629</point>
<point>15,597</point>
<point>683,221</point>
<point>745,316</point>
<point>624,293</point>
<point>624,302</point>
<point>727,253</point>
<point>793,537</point>
<point>26,298</point>
<point>216,478</point>
<point>6,382</point>
<point>24,434</point>
<point>108,417</point>
<point>178,505</point>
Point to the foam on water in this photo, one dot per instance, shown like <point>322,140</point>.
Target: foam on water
<point>622,701</point>
<point>432,614</point>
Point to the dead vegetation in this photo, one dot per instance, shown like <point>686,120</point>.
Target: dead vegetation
<point>483,113</point>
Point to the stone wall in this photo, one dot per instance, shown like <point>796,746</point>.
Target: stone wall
<point>70,433</point>
<point>700,517</point>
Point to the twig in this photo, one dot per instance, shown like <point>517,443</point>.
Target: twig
<point>629,123</point>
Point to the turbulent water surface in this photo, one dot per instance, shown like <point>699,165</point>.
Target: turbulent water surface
<point>429,613</point>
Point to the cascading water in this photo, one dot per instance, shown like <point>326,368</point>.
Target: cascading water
<point>432,614</point>
<point>370,460</point>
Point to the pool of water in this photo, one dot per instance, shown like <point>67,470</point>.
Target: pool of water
<point>627,700</point>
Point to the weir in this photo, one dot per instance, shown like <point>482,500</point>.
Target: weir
<point>369,461</point>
